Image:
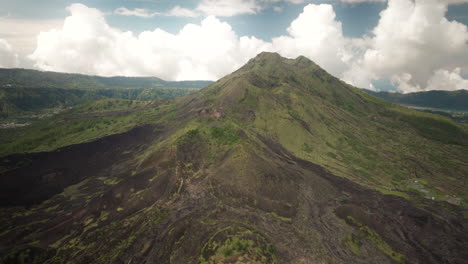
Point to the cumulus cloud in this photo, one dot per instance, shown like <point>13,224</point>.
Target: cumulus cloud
<point>411,43</point>
<point>87,44</point>
<point>21,34</point>
<point>8,58</point>
<point>447,80</point>
<point>414,46</point>
<point>318,35</point>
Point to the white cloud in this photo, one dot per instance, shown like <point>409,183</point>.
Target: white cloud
<point>447,80</point>
<point>318,35</point>
<point>296,1</point>
<point>8,58</point>
<point>87,44</point>
<point>179,11</point>
<point>361,1</point>
<point>412,41</point>
<point>22,34</point>
<point>227,8</point>
<point>414,46</point>
<point>139,12</point>
<point>278,9</point>
<point>176,11</point>
<point>440,80</point>
<point>456,2</point>
<point>219,8</point>
<point>206,51</point>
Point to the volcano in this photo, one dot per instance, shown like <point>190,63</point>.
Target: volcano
<point>278,162</point>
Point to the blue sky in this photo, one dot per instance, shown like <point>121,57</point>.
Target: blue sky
<point>358,19</point>
<point>355,45</point>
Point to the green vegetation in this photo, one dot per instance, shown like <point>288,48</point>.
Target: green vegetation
<point>221,134</point>
<point>354,242</point>
<point>235,246</point>
<point>238,250</point>
<point>188,137</point>
<point>29,95</point>
<point>81,124</point>
<point>224,135</point>
<point>24,104</point>
<point>451,104</point>
<point>438,129</point>
<point>349,132</point>
<point>284,219</point>
<point>39,79</point>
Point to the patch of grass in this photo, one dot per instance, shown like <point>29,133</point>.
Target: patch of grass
<point>393,192</point>
<point>369,234</point>
<point>294,114</point>
<point>353,243</point>
<point>103,216</point>
<point>237,245</point>
<point>187,137</point>
<point>224,135</point>
<point>79,125</point>
<point>109,181</point>
<point>74,192</point>
<point>439,129</point>
<point>284,219</point>
<point>240,249</point>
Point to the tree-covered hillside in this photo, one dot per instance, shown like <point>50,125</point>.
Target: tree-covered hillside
<point>29,92</point>
<point>41,79</point>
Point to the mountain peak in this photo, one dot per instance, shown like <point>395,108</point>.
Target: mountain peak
<point>268,55</point>
<point>273,60</point>
<point>265,58</point>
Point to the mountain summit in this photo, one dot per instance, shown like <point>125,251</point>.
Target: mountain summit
<point>278,162</point>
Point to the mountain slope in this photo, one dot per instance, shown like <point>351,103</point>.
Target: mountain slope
<point>319,118</point>
<point>275,163</point>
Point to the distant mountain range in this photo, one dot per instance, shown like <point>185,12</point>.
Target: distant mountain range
<point>42,79</point>
<point>23,92</point>
<point>444,100</point>
<point>278,162</point>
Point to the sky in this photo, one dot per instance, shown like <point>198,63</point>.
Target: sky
<point>400,45</point>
